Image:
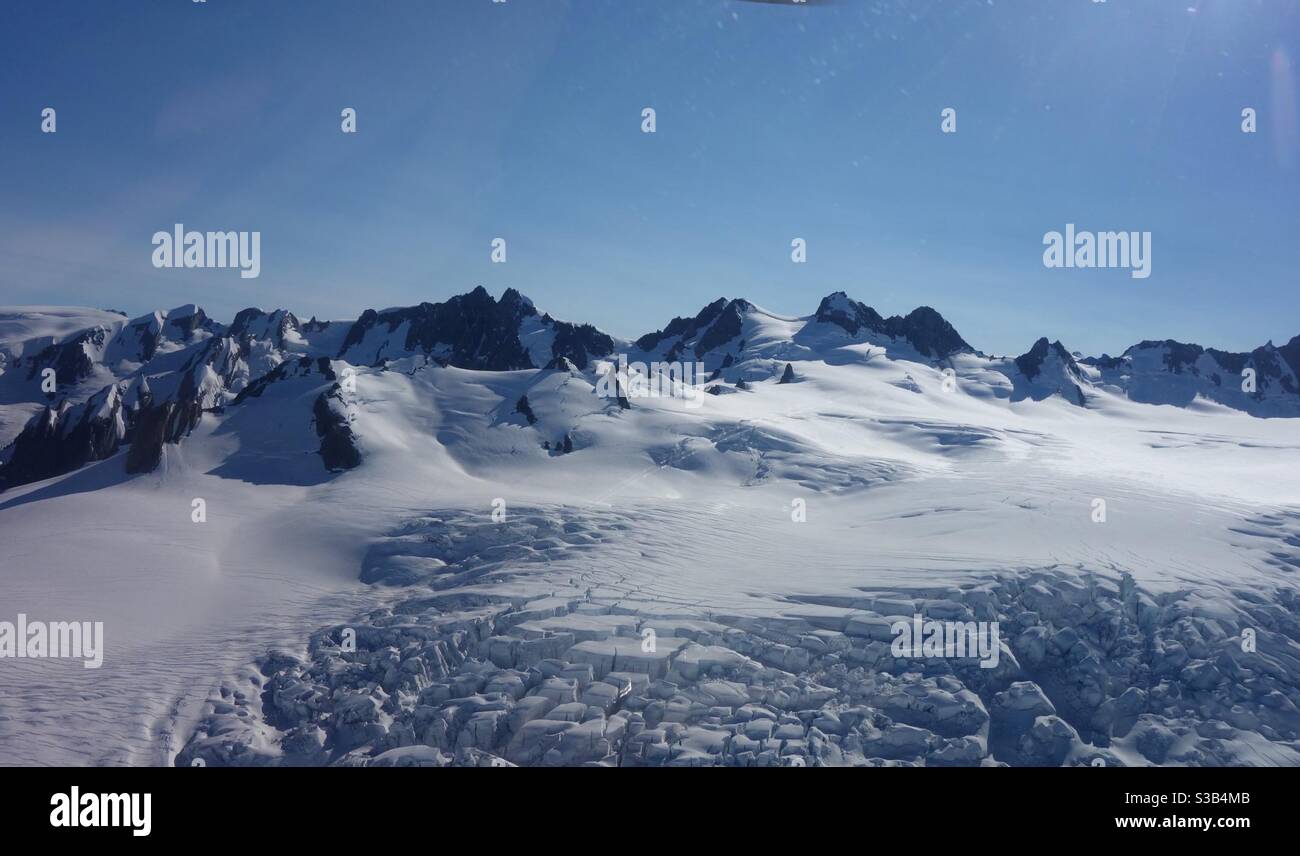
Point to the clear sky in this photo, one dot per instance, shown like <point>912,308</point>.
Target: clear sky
<point>523,120</point>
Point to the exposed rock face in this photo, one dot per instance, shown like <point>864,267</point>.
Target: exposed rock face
<point>1290,353</point>
<point>578,344</point>
<point>143,338</point>
<point>924,328</point>
<point>472,331</point>
<point>183,322</point>
<point>1171,372</point>
<point>184,358</point>
<point>138,340</point>
<point>1273,369</point>
<point>717,324</point>
<point>254,324</point>
<point>928,332</point>
<point>480,332</point>
<point>1030,363</point>
<point>166,422</point>
<point>301,367</point>
<point>204,371</point>
<point>522,406</point>
<point>853,316</point>
<point>196,366</point>
<point>73,360</point>
<point>726,328</point>
<point>683,328</point>
<point>338,446</point>
<point>1048,369</point>
<point>65,437</point>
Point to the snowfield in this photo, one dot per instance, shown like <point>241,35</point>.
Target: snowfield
<point>591,583</point>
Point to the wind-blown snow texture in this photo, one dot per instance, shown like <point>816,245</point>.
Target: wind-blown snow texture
<point>351,470</point>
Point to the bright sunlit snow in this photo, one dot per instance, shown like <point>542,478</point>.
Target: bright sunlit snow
<point>768,537</point>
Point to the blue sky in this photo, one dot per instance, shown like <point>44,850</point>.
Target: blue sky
<point>523,120</point>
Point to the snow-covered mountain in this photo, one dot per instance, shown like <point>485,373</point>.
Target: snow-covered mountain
<point>440,534</point>
<point>472,331</point>
<point>165,369</point>
<point>1176,373</point>
<point>1048,369</point>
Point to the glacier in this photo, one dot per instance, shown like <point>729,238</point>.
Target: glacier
<point>427,540</point>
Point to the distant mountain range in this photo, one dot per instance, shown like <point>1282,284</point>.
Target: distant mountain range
<point>145,383</point>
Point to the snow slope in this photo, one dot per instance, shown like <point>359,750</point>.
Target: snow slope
<point>29,327</point>
<point>766,536</point>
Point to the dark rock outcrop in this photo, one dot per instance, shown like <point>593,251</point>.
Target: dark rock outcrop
<point>301,367</point>
<point>166,422</point>
<point>1273,365</point>
<point>471,331</point>
<point>683,328</point>
<point>1030,363</point>
<point>727,327</point>
<point>1048,368</point>
<point>1172,372</point>
<point>253,323</point>
<point>73,360</point>
<point>65,437</point>
<point>338,446</point>
<point>716,324</point>
<point>578,343</point>
<point>522,406</point>
<point>183,322</point>
<point>138,340</point>
<point>924,328</point>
